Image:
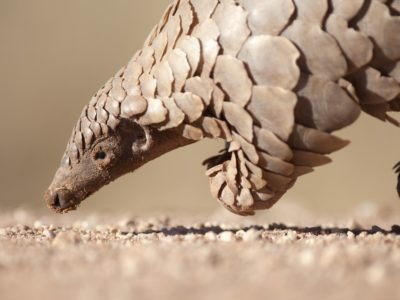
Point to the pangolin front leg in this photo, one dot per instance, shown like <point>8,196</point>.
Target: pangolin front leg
<point>272,78</point>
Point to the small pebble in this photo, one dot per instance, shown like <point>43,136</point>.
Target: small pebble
<point>210,236</point>
<point>37,224</point>
<point>240,233</point>
<point>290,236</point>
<point>226,236</point>
<point>251,235</point>
<point>48,234</point>
<point>225,227</point>
<point>378,235</point>
<point>362,235</point>
<point>113,229</point>
<point>190,237</point>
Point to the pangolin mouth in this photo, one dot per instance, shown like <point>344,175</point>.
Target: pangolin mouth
<point>62,200</point>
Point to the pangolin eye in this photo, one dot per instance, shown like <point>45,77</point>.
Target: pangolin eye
<point>100,155</point>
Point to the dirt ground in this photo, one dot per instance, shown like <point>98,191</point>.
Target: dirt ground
<point>219,256</point>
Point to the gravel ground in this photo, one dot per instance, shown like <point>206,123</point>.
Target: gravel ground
<point>201,257</point>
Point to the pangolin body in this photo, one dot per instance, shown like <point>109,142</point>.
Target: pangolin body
<point>274,78</point>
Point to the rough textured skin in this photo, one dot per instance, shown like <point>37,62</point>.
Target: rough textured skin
<point>273,78</point>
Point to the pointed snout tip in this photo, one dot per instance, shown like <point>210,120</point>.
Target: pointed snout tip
<point>60,200</point>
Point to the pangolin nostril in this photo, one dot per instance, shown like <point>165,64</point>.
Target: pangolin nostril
<point>56,202</point>
<point>60,200</point>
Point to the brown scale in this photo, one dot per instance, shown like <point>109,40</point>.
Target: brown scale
<point>272,78</point>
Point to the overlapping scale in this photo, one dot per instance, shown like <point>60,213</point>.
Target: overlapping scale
<point>240,119</point>
<point>324,105</point>
<point>321,54</point>
<point>208,33</point>
<point>191,105</point>
<point>273,109</point>
<point>191,46</point>
<point>180,68</point>
<point>155,112</point>
<point>347,9</point>
<point>175,114</point>
<point>186,15</point>
<point>268,17</point>
<point>202,87</point>
<point>383,28</point>
<point>276,67</point>
<point>204,8</point>
<point>357,48</point>
<point>232,23</point>
<point>311,11</point>
<point>164,78</point>
<point>237,87</point>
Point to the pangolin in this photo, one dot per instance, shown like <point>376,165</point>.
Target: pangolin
<point>273,78</point>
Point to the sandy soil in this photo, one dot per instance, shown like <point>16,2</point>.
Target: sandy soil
<point>201,257</point>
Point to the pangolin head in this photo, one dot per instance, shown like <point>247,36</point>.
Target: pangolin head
<point>106,143</point>
<point>84,170</point>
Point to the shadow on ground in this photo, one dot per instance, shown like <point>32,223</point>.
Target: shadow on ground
<point>315,230</point>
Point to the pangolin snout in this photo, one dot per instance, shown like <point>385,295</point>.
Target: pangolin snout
<point>61,200</point>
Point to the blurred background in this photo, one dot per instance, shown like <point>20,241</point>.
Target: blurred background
<point>55,54</point>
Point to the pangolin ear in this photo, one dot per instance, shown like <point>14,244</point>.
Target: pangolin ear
<point>141,138</point>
